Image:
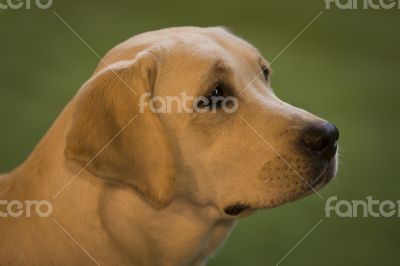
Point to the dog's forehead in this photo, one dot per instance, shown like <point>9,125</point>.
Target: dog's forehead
<point>191,52</point>
<point>201,50</point>
<point>208,44</point>
<point>188,43</point>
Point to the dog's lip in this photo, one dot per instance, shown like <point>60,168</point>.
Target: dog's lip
<point>238,210</point>
<point>322,179</point>
<point>317,181</point>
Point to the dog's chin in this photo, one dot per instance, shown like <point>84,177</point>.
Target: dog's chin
<point>323,175</point>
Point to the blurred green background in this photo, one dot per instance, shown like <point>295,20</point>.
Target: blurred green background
<point>345,68</point>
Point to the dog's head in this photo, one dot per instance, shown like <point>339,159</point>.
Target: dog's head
<point>189,113</point>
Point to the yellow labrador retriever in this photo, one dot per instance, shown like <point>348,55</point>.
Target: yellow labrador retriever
<point>115,182</point>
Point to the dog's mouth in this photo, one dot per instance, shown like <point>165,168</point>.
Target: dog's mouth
<point>325,176</point>
<point>321,175</point>
<point>320,179</point>
<point>238,210</point>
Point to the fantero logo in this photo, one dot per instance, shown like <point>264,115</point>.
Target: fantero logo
<point>25,4</point>
<point>27,208</point>
<point>363,4</point>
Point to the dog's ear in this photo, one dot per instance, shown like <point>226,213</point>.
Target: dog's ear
<point>113,140</point>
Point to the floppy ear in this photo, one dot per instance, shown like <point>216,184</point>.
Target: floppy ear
<point>113,140</point>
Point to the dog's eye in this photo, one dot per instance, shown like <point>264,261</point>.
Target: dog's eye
<point>215,97</point>
<point>218,91</point>
<point>266,72</point>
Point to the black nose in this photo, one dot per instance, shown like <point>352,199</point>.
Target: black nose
<point>321,139</point>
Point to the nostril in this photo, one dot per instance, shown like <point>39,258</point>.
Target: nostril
<point>321,139</point>
<point>316,143</point>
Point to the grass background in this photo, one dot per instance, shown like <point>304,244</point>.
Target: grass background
<point>345,68</point>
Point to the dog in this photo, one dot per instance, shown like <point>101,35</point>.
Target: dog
<point>131,187</point>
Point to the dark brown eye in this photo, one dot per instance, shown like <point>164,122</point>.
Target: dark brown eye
<point>218,91</point>
<point>266,71</point>
<point>215,97</point>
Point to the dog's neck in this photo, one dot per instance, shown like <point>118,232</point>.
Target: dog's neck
<point>179,234</point>
<point>109,218</point>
